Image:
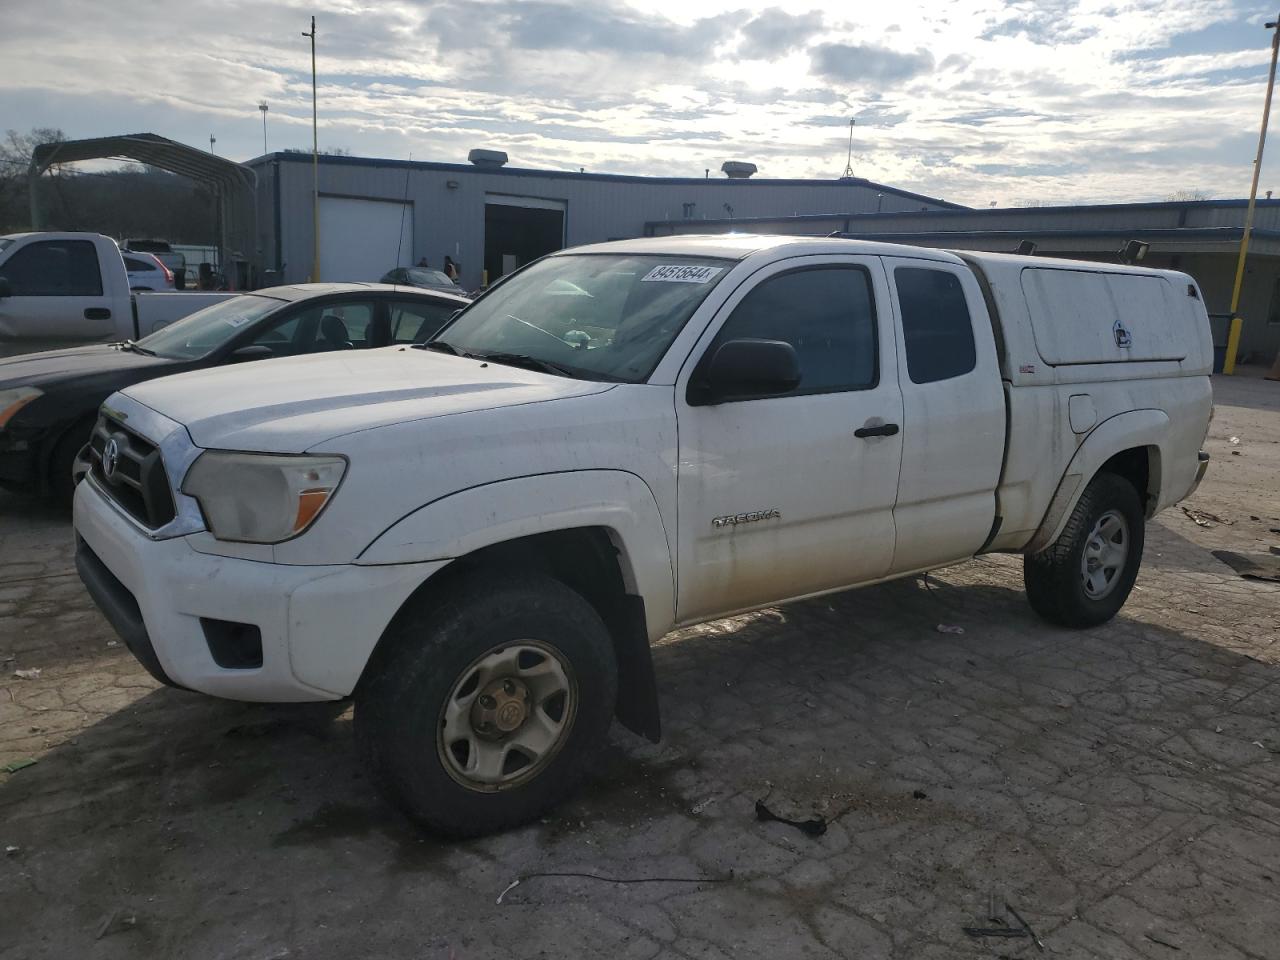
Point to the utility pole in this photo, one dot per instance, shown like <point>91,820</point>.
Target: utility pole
<point>262,105</point>
<point>212,141</point>
<point>315,164</point>
<point>1233,335</point>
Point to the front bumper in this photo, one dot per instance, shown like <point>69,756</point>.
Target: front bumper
<point>318,624</point>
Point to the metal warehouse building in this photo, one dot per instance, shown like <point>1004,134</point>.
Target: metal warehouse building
<point>490,218</point>
<point>1201,238</point>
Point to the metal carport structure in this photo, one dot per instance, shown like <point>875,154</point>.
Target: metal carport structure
<point>235,187</point>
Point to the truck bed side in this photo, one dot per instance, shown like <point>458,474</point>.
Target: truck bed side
<point>1069,417</point>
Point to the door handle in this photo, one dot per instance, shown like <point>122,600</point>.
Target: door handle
<point>882,430</point>
<point>97,313</point>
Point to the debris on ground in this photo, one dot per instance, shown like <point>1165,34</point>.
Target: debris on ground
<point>1204,518</point>
<point>702,805</point>
<point>13,766</point>
<point>1025,926</point>
<point>526,877</point>
<point>1234,441</point>
<point>949,628</point>
<point>117,922</point>
<point>1252,566</point>
<point>995,932</point>
<point>31,674</point>
<point>919,795</point>
<point>10,850</point>
<point>814,828</point>
<point>1163,943</point>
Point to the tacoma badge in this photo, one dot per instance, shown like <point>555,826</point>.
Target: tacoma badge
<point>737,518</point>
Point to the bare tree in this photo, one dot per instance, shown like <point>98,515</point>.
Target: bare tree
<point>1183,195</point>
<point>15,158</point>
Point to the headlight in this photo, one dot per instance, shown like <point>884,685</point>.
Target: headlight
<point>260,497</point>
<point>11,401</point>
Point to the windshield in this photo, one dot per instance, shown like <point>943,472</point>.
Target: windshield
<point>205,330</point>
<point>594,316</point>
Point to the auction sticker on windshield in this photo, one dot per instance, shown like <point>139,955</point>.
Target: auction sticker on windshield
<point>681,273</point>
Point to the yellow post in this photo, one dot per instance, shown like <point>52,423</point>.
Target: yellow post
<point>1233,334</point>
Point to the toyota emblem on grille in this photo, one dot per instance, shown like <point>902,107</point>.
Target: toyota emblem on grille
<point>110,458</point>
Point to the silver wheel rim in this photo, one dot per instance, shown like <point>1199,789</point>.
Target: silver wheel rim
<point>1105,551</point>
<point>507,716</point>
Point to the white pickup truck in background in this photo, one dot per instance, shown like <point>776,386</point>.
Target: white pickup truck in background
<point>64,289</point>
<point>479,539</point>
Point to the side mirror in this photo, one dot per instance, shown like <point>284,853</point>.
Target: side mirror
<point>5,289</point>
<point>745,369</point>
<point>255,351</point>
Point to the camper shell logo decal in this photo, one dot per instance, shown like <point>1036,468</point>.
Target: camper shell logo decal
<point>1123,337</point>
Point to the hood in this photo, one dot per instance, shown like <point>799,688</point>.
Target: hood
<point>54,366</point>
<point>290,405</point>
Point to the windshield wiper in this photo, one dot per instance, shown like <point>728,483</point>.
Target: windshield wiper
<point>439,346</point>
<point>526,361</point>
<point>134,347</point>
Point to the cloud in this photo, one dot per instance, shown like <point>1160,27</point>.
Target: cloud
<point>774,33</point>
<point>991,100</point>
<point>876,66</point>
<point>580,29</point>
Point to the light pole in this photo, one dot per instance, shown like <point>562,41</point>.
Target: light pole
<point>212,141</point>
<point>315,163</point>
<point>1233,334</point>
<point>262,105</point>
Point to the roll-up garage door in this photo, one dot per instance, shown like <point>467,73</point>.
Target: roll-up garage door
<point>363,239</point>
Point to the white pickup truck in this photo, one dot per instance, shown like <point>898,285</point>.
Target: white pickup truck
<point>64,289</point>
<point>479,540</point>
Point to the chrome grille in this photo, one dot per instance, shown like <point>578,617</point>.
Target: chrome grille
<point>129,469</point>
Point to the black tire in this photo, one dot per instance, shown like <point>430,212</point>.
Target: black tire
<point>62,486</point>
<point>427,651</point>
<point>1053,577</point>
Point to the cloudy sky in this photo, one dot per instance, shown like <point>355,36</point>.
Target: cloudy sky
<point>972,100</point>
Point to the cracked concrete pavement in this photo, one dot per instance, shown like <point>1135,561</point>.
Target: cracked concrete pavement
<point>1120,787</point>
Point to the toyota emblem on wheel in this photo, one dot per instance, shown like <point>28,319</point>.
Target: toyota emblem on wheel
<point>110,458</point>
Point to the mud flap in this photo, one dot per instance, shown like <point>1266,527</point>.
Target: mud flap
<point>637,708</point>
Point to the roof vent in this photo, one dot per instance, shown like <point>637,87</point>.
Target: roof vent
<point>737,170</point>
<point>487,158</point>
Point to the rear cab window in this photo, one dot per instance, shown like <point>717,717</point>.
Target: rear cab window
<point>936,326</point>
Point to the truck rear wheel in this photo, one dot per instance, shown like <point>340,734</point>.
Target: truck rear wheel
<point>487,707</point>
<point>1084,577</point>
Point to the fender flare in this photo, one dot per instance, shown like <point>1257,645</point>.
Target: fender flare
<point>1134,428</point>
<point>468,520</point>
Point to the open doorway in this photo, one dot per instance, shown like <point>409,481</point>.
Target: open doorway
<point>518,230</point>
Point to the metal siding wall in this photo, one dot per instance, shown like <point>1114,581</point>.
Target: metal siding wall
<point>596,210</point>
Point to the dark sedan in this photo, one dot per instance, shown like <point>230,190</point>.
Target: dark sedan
<point>49,401</point>
<point>424,278</point>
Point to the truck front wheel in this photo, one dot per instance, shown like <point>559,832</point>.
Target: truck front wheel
<point>486,707</point>
<point>1084,577</point>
